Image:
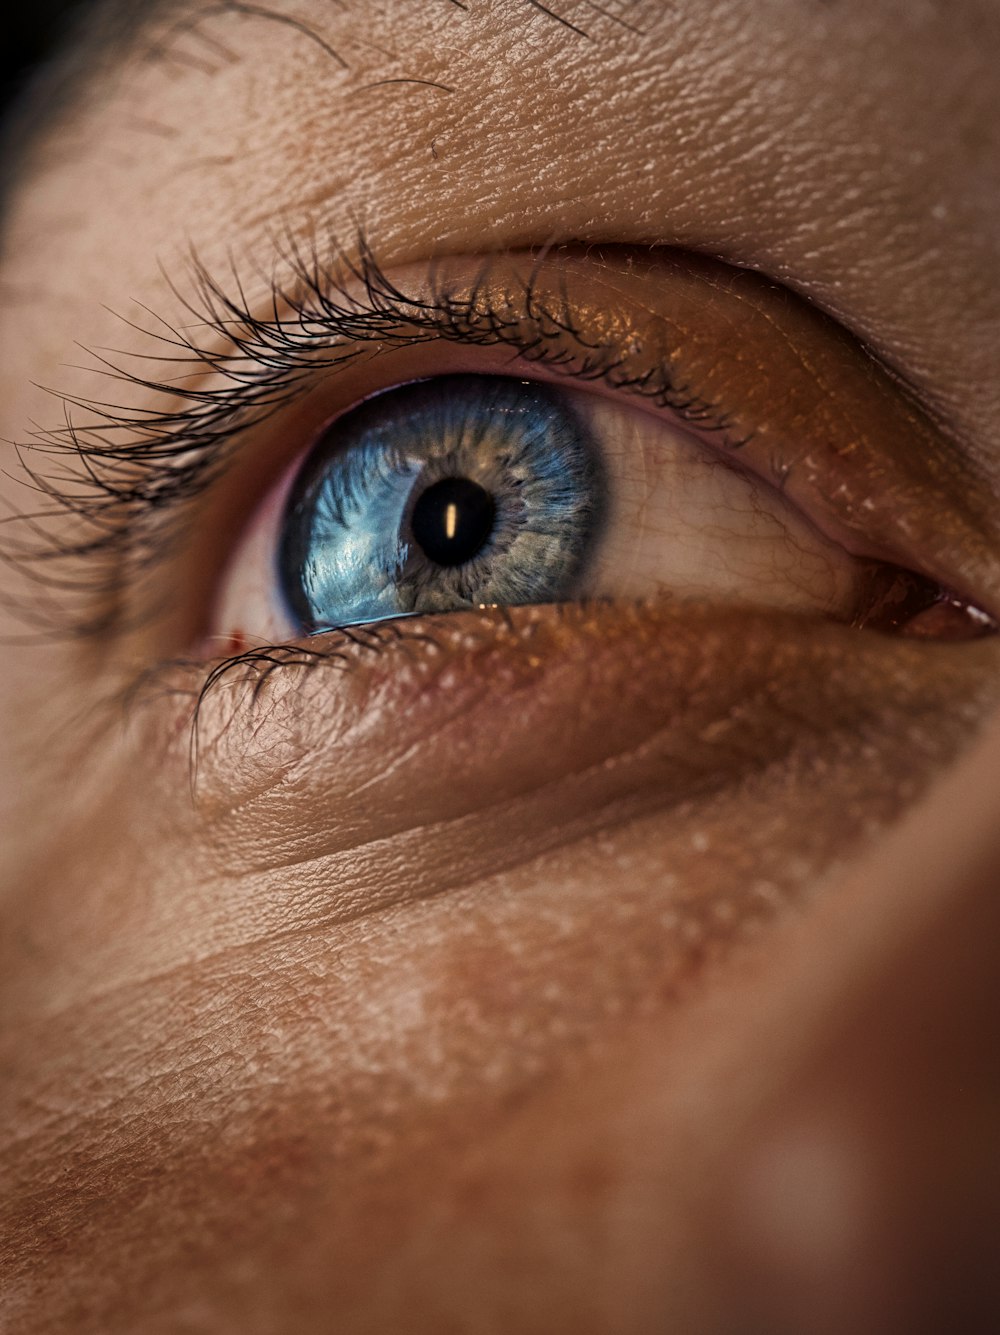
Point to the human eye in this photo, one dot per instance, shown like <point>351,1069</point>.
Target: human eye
<point>523,430</point>
<point>460,492</point>
<point>715,484</point>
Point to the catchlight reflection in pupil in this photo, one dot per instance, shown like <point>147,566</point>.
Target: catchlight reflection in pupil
<point>439,495</point>
<point>452,520</point>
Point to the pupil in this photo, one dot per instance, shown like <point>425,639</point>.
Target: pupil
<point>452,520</point>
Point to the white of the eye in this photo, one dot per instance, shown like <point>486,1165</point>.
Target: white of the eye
<point>683,520</point>
<point>250,604</point>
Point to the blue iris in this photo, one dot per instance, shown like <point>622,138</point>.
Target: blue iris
<point>442,494</point>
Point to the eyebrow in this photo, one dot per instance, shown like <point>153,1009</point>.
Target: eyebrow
<point>98,31</point>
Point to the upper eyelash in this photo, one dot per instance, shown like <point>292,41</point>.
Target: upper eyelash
<point>251,670</point>
<point>137,461</point>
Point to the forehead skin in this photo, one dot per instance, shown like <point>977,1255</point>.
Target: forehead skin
<point>850,149</point>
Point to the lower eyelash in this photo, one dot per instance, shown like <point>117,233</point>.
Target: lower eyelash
<point>249,671</point>
<point>238,686</point>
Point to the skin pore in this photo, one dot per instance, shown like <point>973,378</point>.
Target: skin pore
<point>606,967</point>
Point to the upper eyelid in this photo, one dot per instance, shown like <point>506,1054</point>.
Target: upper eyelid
<point>145,458</point>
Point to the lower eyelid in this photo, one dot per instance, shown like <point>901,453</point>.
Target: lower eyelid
<point>566,716</point>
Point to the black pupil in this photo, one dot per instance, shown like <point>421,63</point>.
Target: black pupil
<point>452,520</point>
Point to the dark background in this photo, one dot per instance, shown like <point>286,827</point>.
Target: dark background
<point>31,29</point>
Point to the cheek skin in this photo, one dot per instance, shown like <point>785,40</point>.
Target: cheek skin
<point>273,1005</point>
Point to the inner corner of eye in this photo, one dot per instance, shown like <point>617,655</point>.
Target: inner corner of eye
<point>467,490</point>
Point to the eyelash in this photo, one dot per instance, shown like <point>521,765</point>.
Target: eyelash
<point>141,462</point>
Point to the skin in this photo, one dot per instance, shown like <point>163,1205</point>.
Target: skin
<point>602,969</point>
